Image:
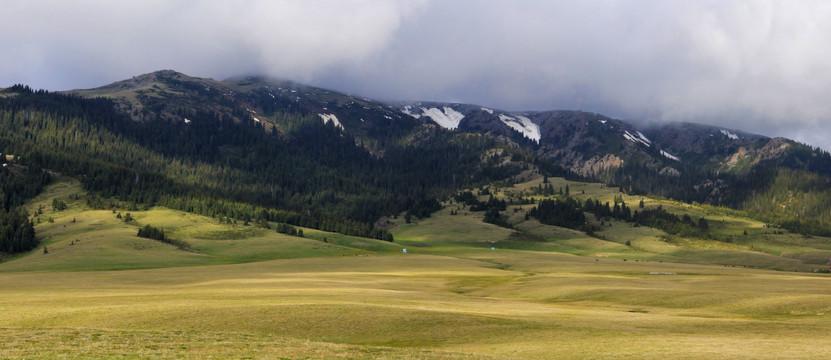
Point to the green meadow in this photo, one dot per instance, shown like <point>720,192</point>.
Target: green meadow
<point>463,290</point>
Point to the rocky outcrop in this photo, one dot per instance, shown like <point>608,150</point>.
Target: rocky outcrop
<point>597,165</point>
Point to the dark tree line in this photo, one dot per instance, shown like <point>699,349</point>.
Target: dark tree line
<point>492,216</point>
<point>566,213</point>
<point>289,230</point>
<point>570,213</point>
<point>154,233</point>
<point>151,232</point>
<point>19,181</point>
<point>671,223</point>
<point>17,234</point>
<point>472,201</point>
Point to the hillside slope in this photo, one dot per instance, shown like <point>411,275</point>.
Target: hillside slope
<point>418,152</point>
<point>308,173</point>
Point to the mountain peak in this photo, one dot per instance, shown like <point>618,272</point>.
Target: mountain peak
<point>166,72</point>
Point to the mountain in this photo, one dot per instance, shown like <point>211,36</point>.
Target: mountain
<point>584,143</point>
<point>685,161</point>
<point>257,149</point>
<point>588,143</point>
<point>208,147</point>
<point>775,179</point>
<point>168,95</point>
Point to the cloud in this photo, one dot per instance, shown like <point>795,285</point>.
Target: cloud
<point>759,66</point>
<point>61,44</point>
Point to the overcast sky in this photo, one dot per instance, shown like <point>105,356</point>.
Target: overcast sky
<point>760,66</point>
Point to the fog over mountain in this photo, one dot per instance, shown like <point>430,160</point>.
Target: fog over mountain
<point>760,66</point>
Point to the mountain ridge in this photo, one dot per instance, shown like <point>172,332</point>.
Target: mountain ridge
<point>348,111</point>
<point>684,161</point>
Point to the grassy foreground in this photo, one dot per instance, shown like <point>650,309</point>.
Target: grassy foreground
<point>541,293</point>
<point>502,304</point>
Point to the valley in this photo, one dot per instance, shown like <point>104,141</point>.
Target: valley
<point>167,216</point>
<point>464,289</point>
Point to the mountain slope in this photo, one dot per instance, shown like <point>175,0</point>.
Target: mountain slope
<point>431,145</point>
<point>309,173</point>
<point>689,162</point>
<point>170,95</point>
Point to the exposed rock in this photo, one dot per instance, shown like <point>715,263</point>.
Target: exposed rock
<point>597,164</point>
<point>775,148</point>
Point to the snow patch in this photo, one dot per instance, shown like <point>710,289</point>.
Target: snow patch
<point>523,125</point>
<point>730,135</point>
<point>642,137</point>
<point>448,119</point>
<point>408,111</point>
<point>636,139</point>
<point>255,119</point>
<point>489,111</point>
<point>669,156</point>
<point>187,121</point>
<point>331,117</point>
<point>602,121</point>
<point>388,117</point>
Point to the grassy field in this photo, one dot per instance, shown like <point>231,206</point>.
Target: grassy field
<point>503,304</point>
<point>463,290</point>
<point>80,238</point>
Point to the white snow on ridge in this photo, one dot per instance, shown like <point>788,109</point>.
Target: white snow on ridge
<point>523,125</point>
<point>449,119</point>
<point>633,138</point>
<point>669,156</point>
<point>506,118</point>
<point>636,139</point>
<point>730,135</point>
<point>642,137</point>
<point>489,111</point>
<point>602,121</point>
<point>408,112</point>
<point>331,117</point>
